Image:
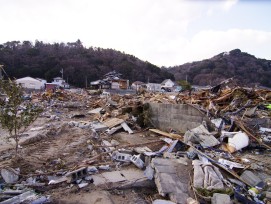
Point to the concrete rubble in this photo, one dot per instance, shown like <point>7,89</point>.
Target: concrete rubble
<point>207,146</point>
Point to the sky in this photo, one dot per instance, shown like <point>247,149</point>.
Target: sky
<point>163,32</point>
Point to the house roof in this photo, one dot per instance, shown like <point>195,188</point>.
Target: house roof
<point>28,79</point>
<point>98,82</point>
<point>165,81</point>
<point>40,79</point>
<point>138,83</point>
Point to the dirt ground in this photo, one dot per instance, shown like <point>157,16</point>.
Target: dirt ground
<point>52,147</point>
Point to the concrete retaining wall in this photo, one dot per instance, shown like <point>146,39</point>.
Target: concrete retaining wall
<point>179,117</point>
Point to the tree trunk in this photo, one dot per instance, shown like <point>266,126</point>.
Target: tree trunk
<point>17,144</point>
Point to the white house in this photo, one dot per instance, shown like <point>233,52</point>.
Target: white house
<point>153,87</point>
<point>31,83</point>
<point>43,81</point>
<point>61,82</point>
<point>167,83</point>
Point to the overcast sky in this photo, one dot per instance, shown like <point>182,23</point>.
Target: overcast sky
<point>163,32</point>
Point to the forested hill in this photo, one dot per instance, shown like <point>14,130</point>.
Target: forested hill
<point>43,60</point>
<point>245,68</point>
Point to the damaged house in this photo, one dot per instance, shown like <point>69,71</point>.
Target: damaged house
<point>111,80</point>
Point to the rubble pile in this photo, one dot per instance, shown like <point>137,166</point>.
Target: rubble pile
<point>86,142</point>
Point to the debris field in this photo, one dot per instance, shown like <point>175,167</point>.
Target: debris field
<point>88,147</point>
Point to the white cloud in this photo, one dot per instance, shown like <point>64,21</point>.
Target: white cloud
<point>208,43</point>
<point>228,4</point>
<point>153,30</point>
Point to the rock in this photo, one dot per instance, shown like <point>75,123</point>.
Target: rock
<point>10,175</point>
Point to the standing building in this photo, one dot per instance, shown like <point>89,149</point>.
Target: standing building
<point>31,83</point>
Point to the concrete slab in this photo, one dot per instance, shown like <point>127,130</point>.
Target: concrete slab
<point>168,179</point>
<point>118,176</point>
<point>97,126</point>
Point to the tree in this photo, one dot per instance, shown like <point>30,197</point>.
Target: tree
<point>15,113</point>
<point>185,85</point>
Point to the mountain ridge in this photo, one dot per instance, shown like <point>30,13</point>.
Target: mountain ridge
<point>80,64</point>
<point>245,68</point>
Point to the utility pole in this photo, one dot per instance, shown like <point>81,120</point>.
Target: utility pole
<point>1,67</point>
<point>62,73</point>
<point>86,82</point>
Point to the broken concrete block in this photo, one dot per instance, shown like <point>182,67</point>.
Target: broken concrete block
<point>107,146</point>
<point>129,175</point>
<point>165,183</point>
<point>137,161</point>
<point>169,181</point>
<point>200,135</point>
<point>122,156</point>
<point>104,167</point>
<point>220,199</point>
<point>149,172</point>
<point>108,177</point>
<point>77,174</point>
<point>10,175</point>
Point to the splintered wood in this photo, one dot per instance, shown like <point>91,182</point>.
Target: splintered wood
<point>170,135</point>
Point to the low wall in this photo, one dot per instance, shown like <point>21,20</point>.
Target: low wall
<point>179,117</point>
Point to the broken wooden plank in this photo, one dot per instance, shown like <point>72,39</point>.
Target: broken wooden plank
<point>242,127</point>
<point>170,135</point>
<point>112,122</point>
